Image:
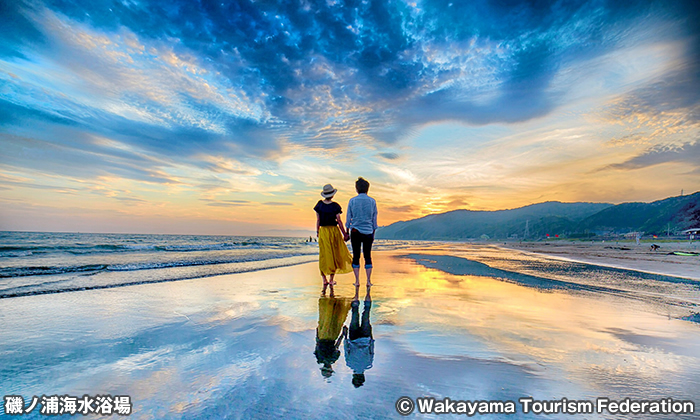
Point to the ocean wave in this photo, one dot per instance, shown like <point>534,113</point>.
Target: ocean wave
<point>82,249</point>
<point>19,254</point>
<point>11,272</point>
<point>63,285</point>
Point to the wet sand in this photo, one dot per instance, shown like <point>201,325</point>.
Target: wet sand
<point>242,346</point>
<point>623,255</point>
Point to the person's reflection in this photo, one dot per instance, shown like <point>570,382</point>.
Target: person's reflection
<point>332,312</point>
<point>359,343</point>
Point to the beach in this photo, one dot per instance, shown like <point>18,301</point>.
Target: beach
<point>627,255</point>
<point>463,322</point>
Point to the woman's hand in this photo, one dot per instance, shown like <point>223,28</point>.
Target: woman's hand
<point>346,237</point>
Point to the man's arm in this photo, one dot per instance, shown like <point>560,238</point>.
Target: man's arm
<point>318,223</point>
<point>374,217</point>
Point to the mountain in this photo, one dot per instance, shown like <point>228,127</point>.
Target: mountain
<point>674,213</point>
<point>552,217</point>
<point>539,219</point>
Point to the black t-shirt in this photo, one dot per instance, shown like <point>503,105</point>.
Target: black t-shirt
<point>328,212</point>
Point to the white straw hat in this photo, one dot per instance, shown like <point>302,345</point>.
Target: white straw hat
<point>328,191</point>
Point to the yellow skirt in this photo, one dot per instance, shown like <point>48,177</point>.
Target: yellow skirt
<point>331,317</point>
<point>334,257</point>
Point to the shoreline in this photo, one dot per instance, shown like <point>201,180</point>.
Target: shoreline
<point>622,256</point>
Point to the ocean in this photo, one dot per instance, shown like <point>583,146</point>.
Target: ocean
<point>41,262</point>
<point>471,322</point>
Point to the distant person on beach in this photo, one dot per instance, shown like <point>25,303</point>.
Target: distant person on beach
<point>331,317</point>
<point>334,257</point>
<point>361,223</point>
<point>359,343</point>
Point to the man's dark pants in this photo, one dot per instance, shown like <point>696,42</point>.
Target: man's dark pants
<point>358,239</point>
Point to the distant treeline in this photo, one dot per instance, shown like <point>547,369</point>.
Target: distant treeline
<point>568,220</point>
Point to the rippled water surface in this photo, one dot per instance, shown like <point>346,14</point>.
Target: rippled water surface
<point>39,262</point>
<point>479,323</point>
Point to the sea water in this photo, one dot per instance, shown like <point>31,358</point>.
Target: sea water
<point>457,321</point>
<point>41,262</point>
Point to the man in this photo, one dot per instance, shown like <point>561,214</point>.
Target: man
<point>359,342</point>
<point>361,223</point>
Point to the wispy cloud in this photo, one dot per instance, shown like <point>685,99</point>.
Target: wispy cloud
<point>238,104</point>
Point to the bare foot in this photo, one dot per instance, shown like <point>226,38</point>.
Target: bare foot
<point>369,284</point>
<point>357,283</point>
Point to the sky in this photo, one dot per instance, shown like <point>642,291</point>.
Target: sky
<point>228,117</point>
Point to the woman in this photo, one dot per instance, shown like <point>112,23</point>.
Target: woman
<point>334,257</point>
<point>331,317</point>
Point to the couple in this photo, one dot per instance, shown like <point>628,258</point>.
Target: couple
<point>358,339</point>
<point>361,223</point>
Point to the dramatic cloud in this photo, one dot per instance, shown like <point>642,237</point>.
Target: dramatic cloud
<point>177,76</point>
<point>225,104</point>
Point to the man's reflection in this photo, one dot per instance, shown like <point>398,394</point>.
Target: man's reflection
<point>332,312</point>
<point>359,343</point>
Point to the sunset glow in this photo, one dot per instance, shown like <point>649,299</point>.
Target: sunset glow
<point>228,118</point>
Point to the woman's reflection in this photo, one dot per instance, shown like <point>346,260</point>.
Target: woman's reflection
<point>332,312</point>
<point>359,343</point>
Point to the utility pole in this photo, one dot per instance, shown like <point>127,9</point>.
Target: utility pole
<point>668,230</point>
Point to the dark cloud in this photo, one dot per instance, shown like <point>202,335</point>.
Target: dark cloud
<point>312,65</point>
<point>131,200</point>
<point>18,31</point>
<point>687,153</point>
<point>75,157</point>
<point>276,203</point>
<point>389,155</point>
<point>223,204</point>
<point>14,114</point>
<point>677,92</point>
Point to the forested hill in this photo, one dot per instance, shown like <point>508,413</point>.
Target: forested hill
<point>539,219</point>
<point>674,213</point>
<point>553,218</point>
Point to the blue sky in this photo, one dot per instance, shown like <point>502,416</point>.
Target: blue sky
<point>229,117</point>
